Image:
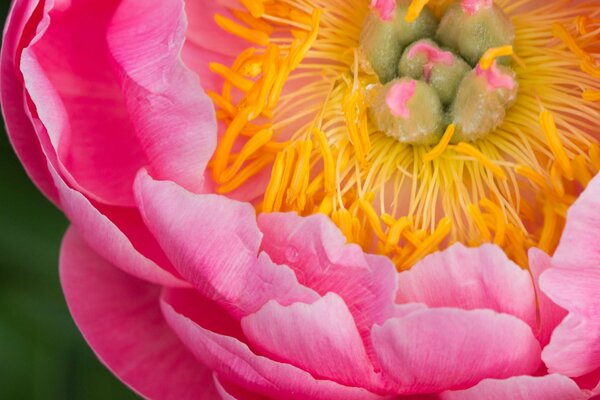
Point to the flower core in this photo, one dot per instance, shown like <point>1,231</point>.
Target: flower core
<point>409,127</point>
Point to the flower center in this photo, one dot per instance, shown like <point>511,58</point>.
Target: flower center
<point>409,124</point>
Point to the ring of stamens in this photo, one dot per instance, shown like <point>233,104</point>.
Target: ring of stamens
<point>296,113</point>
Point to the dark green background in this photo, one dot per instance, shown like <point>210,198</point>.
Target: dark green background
<point>42,355</point>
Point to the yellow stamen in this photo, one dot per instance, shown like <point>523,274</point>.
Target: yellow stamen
<point>553,139</point>
<point>226,144</point>
<point>439,149</point>
<point>237,80</point>
<point>475,214</point>
<point>431,243</point>
<point>591,95</point>
<point>500,223</point>
<point>471,151</point>
<point>491,55</point>
<point>256,7</point>
<point>252,35</point>
<point>248,172</point>
<point>414,10</point>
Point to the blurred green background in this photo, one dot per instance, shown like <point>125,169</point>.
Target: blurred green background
<point>42,355</point>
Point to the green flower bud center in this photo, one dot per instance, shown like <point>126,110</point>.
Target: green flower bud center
<point>453,83</point>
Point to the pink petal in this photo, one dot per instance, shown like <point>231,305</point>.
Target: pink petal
<point>202,30</point>
<point>120,318</point>
<point>579,245</point>
<point>214,243</point>
<point>549,387</point>
<point>550,314</point>
<point>108,240</point>
<point>228,391</point>
<point>441,349</point>
<point>19,31</point>
<point>174,120</point>
<point>470,278</point>
<point>574,348</point>
<point>235,362</point>
<point>317,251</point>
<point>320,338</point>
<point>150,110</point>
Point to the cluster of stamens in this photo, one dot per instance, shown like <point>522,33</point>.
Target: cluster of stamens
<point>438,74</point>
<point>300,109</point>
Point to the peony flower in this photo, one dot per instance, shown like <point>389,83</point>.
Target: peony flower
<point>293,199</point>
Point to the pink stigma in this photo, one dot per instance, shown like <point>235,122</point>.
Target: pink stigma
<point>495,78</point>
<point>385,8</point>
<point>434,56</point>
<point>398,97</point>
<point>472,7</point>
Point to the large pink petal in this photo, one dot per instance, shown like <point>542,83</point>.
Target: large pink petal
<point>470,278</point>
<point>579,245</point>
<point>108,240</point>
<point>173,119</point>
<point>214,244</point>
<point>121,320</point>
<point>320,338</point>
<point>227,391</point>
<point>70,77</point>
<point>317,251</point>
<point>549,387</point>
<point>234,361</point>
<point>550,314</point>
<point>110,109</point>
<point>442,349</point>
<point>20,28</point>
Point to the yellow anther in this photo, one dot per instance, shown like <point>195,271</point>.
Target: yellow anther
<point>548,239</point>
<point>226,143</point>
<point>248,172</point>
<point>431,243</point>
<point>274,186</point>
<point>256,7</point>
<point>414,10</point>
<point>581,171</point>
<point>591,95</point>
<point>532,175</point>
<point>222,103</point>
<point>300,178</point>
<point>328,161</point>
<point>475,214</point>
<point>590,67</point>
<point>471,151</point>
<point>396,230</point>
<point>388,219</point>
<point>552,137</point>
<point>236,79</point>
<point>594,153</point>
<point>561,33</point>
<point>557,180</point>
<point>326,206</point>
<point>251,35</point>
<point>491,55</point>
<point>252,146</point>
<point>439,149</point>
<point>372,217</point>
<point>500,222</point>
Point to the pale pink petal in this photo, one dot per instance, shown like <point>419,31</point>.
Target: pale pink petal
<point>214,244</point>
<point>579,245</point>
<point>470,278</point>
<point>574,348</point>
<point>173,119</point>
<point>549,387</point>
<point>108,240</point>
<point>19,31</point>
<point>444,349</point>
<point>203,31</point>
<point>317,251</point>
<point>120,318</point>
<point>235,362</point>
<point>550,314</point>
<point>320,338</point>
